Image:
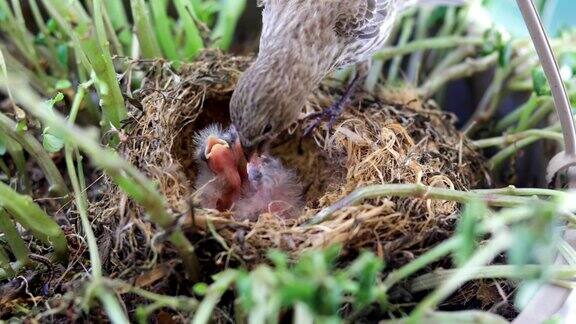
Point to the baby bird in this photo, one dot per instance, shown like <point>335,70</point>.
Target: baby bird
<point>222,167</point>
<point>271,188</point>
<point>302,41</point>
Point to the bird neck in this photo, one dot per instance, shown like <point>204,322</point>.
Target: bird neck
<point>290,71</point>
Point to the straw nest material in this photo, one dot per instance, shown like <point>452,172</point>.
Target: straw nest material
<point>391,137</point>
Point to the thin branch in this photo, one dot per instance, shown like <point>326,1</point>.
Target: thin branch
<point>415,190</point>
<point>427,44</point>
<point>465,69</point>
<point>512,139</point>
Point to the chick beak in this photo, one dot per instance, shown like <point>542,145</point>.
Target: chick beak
<point>254,169</point>
<point>222,162</point>
<point>211,143</point>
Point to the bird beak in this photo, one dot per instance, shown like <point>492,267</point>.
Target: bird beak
<point>212,142</point>
<point>249,152</point>
<point>256,150</point>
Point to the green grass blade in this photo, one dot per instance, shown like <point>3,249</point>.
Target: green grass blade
<point>26,212</point>
<point>17,153</point>
<point>126,176</point>
<point>111,34</point>
<point>228,16</point>
<point>144,30</point>
<point>13,238</point>
<point>91,39</point>
<point>215,292</point>
<point>5,264</point>
<point>19,35</point>
<point>194,42</point>
<point>112,306</point>
<point>39,82</point>
<point>59,67</point>
<point>117,13</point>
<point>164,33</point>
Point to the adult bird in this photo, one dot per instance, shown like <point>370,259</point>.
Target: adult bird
<point>302,41</point>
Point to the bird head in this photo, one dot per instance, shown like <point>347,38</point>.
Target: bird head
<point>263,105</point>
<point>221,151</point>
<point>219,155</point>
<point>264,171</point>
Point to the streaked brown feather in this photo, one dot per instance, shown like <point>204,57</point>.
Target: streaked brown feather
<point>302,41</point>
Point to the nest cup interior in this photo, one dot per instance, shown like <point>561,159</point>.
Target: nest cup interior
<point>315,169</point>
<point>392,137</point>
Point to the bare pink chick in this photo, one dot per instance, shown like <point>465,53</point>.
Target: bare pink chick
<point>271,188</point>
<point>222,167</point>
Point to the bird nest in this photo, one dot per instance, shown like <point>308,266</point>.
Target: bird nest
<point>391,137</point>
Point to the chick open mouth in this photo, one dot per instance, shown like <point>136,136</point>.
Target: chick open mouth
<point>214,143</point>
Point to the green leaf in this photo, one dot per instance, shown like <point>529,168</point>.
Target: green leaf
<point>366,269</point>
<point>505,54</point>
<point>527,112</point>
<point>142,314</point>
<point>279,259</point>
<point>200,288</point>
<point>21,126</point>
<point>328,298</point>
<point>540,83</point>
<point>62,85</point>
<point>437,15</point>
<point>52,25</point>
<point>52,143</point>
<point>555,319</point>
<point>298,290</point>
<point>53,101</point>
<point>223,31</point>
<point>524,240</point>
<point>40,39</point>
<point>209,9</point>
<point>52,140</point>
<point>467,230</point>
<point>62,54</point>
<point>244,289</point>
<point>492,42</point>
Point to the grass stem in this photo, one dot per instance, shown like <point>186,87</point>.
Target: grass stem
<point>187,14</point>
<point>415,190</point>
<point>34,148</point>
<point>485,255</point>
<point>228,16</point>
<point>13,238</point>
<point>34,219</point>
<point>428,44</point>
<point>144,30</point>
<point>164,34</point>
<point>126,176</point>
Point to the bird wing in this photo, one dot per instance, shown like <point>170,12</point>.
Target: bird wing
<point>364,26</point>
<point>362,19</point>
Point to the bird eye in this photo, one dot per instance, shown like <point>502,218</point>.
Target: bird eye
<point>267,129</point>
